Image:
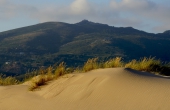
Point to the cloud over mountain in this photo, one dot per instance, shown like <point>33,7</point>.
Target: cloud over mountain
<point>147,15</point>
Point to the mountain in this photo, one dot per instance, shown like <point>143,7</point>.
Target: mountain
<point>48,43</point>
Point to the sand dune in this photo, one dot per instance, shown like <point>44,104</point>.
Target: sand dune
<point>102,89</point>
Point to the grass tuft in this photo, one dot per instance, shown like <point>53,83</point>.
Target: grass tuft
<point>8,80</point>
<point>144,64</point>
<point>46,75</point>
<point>36,82</point>
<point>60,70</point>
<point>91,64</point>
<point>115,62</point>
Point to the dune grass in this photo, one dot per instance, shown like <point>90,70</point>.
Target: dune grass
<point>115,62</point>
<point>150,64</point>
<point>144,64</point>
<point>91,64</point>
<point>42,76</point>
<point>60,70</point>
<point>48,74</point>
<point>36,82</point>
<point>8,80</point>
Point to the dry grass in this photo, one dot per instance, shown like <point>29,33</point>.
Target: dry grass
<point>115,62</point>
<point>60,70</point>
<point>40,80</point>
<point>91,64</point>
<point>36,82</point>
<point>144,64</point>
<point>42,76</point>
<point>46,75</point>
<point>8,80</point>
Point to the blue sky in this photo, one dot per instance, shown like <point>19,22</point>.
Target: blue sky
<point>148,15</point>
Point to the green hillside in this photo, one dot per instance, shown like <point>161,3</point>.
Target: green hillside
<point>48,43</point>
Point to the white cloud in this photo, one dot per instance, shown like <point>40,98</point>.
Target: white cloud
<point>80,7</point>
<point>6,10</point>
<point>132,5</point>
<point>9,10</point>
<point>135,13</point>
<point>146,11</point>
<point>74,12</point>
<point>141,14</point>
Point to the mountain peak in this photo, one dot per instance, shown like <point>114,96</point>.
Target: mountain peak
<point>87,22</point>
<point>84,22</point>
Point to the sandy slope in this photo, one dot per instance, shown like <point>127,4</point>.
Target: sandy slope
<point>103,89</point>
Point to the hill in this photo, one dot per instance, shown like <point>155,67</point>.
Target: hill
<point>48,43</point>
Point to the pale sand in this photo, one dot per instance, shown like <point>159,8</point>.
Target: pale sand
<point>102,89</point>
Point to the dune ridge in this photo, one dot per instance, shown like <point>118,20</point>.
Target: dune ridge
<point>102,89</point>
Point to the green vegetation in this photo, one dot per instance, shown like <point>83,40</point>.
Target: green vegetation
<point>40,77</point>
<point>44,44</point>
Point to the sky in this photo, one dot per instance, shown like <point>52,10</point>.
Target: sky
<point>152,16</point>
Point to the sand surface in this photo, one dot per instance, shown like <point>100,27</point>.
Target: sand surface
<point>102,89</point>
